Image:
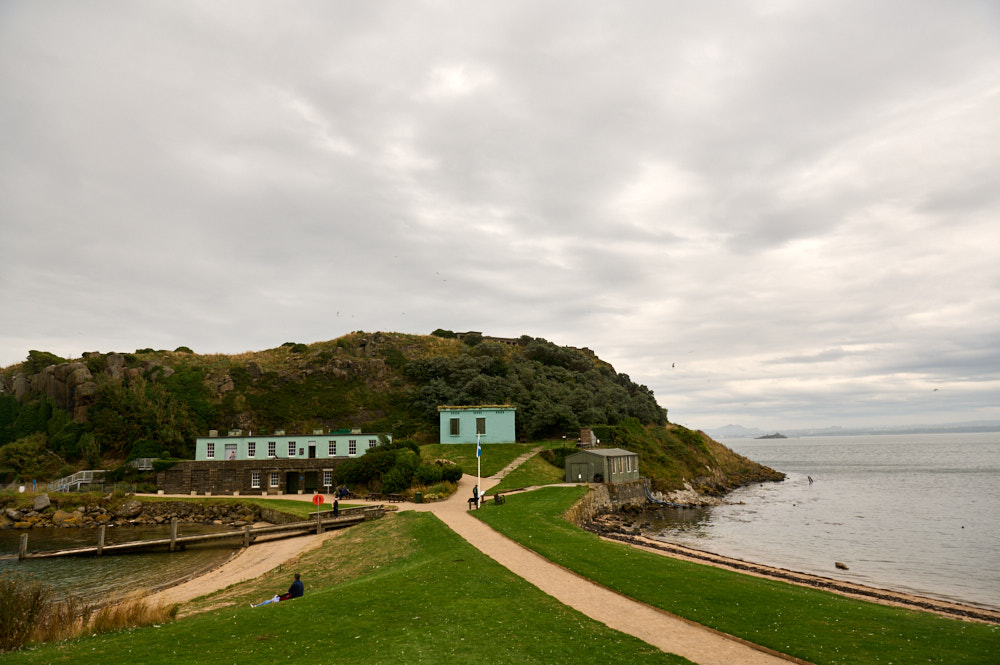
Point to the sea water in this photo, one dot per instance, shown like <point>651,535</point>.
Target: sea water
<point>916,513</point>
<point>93,578</point>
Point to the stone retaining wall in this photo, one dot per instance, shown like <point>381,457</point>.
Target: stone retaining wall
<point>607,497</point>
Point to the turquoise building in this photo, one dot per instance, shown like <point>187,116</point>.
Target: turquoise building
<point>492,423</point>
<point>318,445</point>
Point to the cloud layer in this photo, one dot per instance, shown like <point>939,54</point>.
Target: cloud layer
<point>770,213</point>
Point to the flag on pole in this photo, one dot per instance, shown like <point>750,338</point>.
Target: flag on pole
<point>479,447</point>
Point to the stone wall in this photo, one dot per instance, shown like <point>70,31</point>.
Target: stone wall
<point>606,498</point>
<point>230,477</point>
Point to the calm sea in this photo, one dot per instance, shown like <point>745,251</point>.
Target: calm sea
<point>94,578</point>
<point>917,513</point>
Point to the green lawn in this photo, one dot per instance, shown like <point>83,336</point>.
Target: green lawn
<point>403,589</point>
<point>495,455</point>
<point>535,471</point>
<point>819,627</point>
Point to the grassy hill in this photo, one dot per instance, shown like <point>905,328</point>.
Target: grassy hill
<point>58,415</point>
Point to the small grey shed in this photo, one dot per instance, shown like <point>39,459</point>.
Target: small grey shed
<point>602,465</point>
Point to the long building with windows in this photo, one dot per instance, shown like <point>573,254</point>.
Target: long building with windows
<point>318,445</point>
<point>263,464</point>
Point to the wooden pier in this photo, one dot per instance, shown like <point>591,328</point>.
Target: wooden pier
<point>324,521</point>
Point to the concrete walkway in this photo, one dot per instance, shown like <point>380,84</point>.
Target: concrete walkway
<point>653,626</point>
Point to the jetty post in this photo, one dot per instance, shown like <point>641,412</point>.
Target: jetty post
<point>23,549</point>
<point>100,540</point>
<point>173,534</point>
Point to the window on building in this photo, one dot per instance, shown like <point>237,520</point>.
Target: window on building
<point>272,448</point>
<point>480,425</point>
<point>255,479</point>
<point>454,427</point>
<point>327,477</point>
<point>331,450</point>
<point>210,450</point>
<point>372,443</point>
<point>251,449</point>
<point>352,447</point>
<point>274,479</point>
<point>291,449</point>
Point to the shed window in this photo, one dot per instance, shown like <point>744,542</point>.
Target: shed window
<point>454,426</point>
<point>480,425</point>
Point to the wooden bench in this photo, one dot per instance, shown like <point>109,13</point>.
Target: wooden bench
<point>374,496</point>
<point>498,499</point>
<point>395,498</point>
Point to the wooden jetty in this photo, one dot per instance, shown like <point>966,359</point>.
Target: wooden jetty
<point>324,520</point>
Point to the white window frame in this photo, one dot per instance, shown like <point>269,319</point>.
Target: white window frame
<point>272,449</point>
<point>291,449</point>
<point>251,449</point>
<point>275,480</point>
<point>327,477</point>
<point>372,443</point>
<point>255,480</point>
<point>331,448</point>
<point>352,447</point>
<point>210,450</point>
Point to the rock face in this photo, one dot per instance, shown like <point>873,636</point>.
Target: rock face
<point>72,386</point>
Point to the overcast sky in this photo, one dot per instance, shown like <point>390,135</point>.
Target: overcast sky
<point>773,213</point>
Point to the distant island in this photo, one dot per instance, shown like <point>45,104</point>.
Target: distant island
<point>776,435</point>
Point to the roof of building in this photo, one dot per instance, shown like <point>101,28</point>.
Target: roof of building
<point>609,452</point>
<point>508,407</point>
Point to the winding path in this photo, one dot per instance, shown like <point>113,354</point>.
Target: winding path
<point>654,626</point>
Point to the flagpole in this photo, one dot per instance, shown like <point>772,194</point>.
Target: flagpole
<point>479,467</point>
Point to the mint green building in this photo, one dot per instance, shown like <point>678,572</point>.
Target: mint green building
<point>318,445</point>
<point>492,423</point>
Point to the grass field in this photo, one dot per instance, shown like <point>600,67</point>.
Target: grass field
<point>535,471</point>
<point>820,627</point>
<point>404,589</point>
<point>494,458</point>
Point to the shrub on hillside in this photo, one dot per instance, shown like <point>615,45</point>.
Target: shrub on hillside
<point>428,474</point>
<point>451,473</point>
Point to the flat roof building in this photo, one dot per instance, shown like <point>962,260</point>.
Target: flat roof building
<point>491,423</point>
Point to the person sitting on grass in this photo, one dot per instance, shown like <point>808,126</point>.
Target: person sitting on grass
<point>294,591</point>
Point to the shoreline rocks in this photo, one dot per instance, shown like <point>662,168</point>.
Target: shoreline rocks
<point>132,513</point>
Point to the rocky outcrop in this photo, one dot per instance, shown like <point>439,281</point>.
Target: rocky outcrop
<point>73,386</point>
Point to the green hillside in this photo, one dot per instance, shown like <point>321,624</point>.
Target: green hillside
<point>57,414</point>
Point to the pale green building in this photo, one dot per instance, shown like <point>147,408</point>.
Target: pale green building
<point>492,423</point>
